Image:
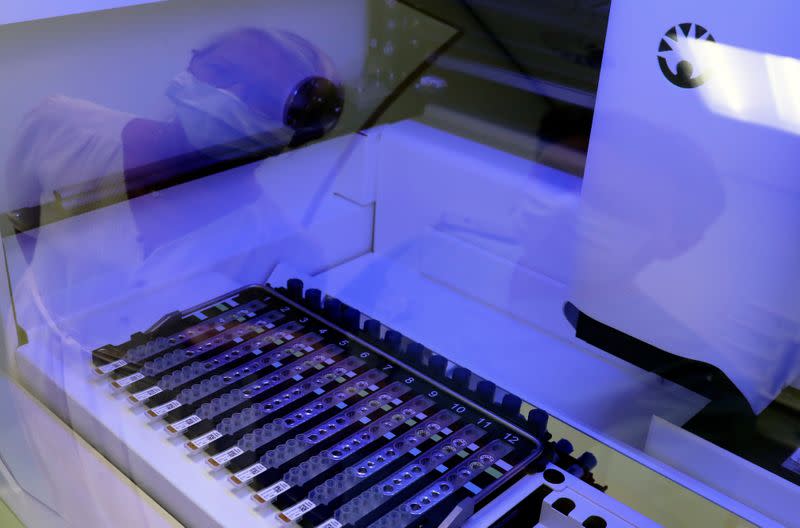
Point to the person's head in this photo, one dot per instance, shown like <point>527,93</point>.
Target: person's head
<point>250,88</point>
<point>260,67</point>
<point>645,211</point>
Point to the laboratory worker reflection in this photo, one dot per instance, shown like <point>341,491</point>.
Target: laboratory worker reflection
<point>674,258</point>
<point>246,95</point>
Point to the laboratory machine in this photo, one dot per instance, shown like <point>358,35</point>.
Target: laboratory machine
<point>402,264</point>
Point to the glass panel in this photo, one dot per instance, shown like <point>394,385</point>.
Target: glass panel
<point>378,263</point>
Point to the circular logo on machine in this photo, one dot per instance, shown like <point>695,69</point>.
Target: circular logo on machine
<point>674,57</point>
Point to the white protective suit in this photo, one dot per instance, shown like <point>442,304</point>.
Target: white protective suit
<point>64,143</point>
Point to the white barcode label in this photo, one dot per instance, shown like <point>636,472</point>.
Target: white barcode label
<point>226,456</point>
<point>297,511</point>
<point>270,493</point>
<point>330,523</point>
<point>127,380</point>
<point>248,474</point>
<point>502,464</point>
<point>182,425</point>
<point>201,441</point>
<point>111,367</point>
<point>161,410</point>
<point>145,394</point>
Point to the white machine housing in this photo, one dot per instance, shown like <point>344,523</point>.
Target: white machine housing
<point>462,247</point>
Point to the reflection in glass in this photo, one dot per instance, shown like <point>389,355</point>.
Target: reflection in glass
<point>247,93</point>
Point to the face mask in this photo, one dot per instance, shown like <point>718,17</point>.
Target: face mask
<point>221,125</point>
